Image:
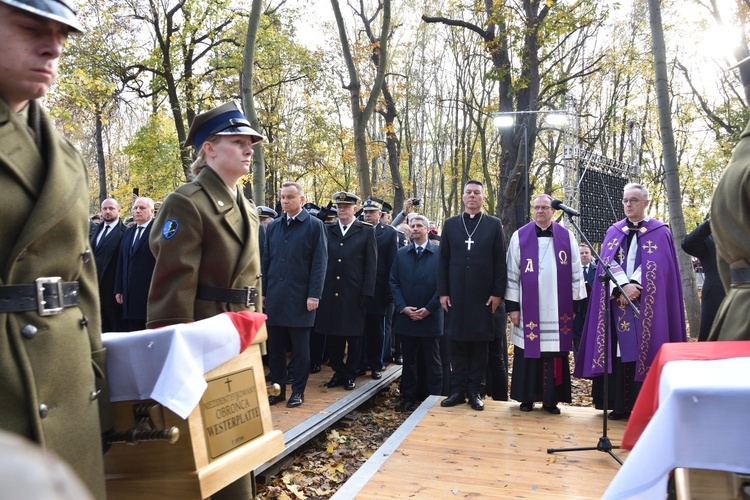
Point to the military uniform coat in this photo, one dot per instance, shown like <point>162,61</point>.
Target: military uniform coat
<point>135,266</point>
<point>350,279</point>
<point>50,365</point>
<point>470,277</point>
<point>204,234</point>
<point>294,268</point>
<point>387,241</point>
<point>105,255</point>
<point>731,232</point>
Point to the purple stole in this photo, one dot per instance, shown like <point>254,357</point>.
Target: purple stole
<point>529,245</point>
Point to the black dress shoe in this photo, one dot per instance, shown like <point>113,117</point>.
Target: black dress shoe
<point>526,407</point>
<point>376,375</point>
<point>314,368</point>
<point>454,399</point>
<point>399,360</point>
<point>349,384</point>
<point>272,400</point>
<point>406,405</point>
<point>334,382</point>
<point>476,402</point>
<point>619,415</point>
<point>296,400</point>
<point>551,409</point>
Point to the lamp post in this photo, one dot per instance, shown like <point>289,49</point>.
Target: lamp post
<point>505,119</point>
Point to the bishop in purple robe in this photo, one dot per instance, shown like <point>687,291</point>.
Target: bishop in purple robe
<point>642,257</point>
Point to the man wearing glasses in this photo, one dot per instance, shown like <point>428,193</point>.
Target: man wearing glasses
<point>641,253</point>
<point>544,282</point>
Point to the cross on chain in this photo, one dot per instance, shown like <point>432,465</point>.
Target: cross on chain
<point>469,243</point>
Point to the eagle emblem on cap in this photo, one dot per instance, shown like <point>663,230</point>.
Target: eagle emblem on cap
<point>342,196</point>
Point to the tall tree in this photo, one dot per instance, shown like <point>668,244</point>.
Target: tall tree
<point>674,195</point>
<point>361,114</point>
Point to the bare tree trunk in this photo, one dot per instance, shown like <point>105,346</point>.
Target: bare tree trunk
<point>674,197</point>
<point>248,101</point>
<point>101,167</point>
<point>360,115</point>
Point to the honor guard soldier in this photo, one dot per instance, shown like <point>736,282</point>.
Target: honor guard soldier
<point>52,364</point>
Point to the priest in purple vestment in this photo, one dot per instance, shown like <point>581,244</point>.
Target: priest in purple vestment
<point>641,253</point>
<point>545,280</point>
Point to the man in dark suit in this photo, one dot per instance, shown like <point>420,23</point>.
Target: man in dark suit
<point>294,268</point>
<point>582,306</point>
<point>106,244</point>
<point>418,317</point>
<point>377,306</point>
<point>350,280</point>
<point>135,266</point>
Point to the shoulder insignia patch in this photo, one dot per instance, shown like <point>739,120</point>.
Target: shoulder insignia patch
<point>170,228</point>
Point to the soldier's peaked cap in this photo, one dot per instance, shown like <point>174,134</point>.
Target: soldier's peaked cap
<point>342,197</point>
<point>227,119</point>
<point>61,11</point>
<point>372,204</point>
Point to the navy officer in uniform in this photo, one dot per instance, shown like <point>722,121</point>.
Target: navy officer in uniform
<point>350,281</point>
<point>205,238</point>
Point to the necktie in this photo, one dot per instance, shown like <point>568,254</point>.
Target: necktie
<point>135,240</point>
<point>419,252</point>
<point>289,221</point>
<point>344,228</point>
<point>104,235</point>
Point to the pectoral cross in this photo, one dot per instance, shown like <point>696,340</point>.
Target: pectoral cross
<point>468,243</point>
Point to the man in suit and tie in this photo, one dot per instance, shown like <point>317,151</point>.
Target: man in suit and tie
<point>106,243</point>
<point>582,306</point>
<point>135,266</point>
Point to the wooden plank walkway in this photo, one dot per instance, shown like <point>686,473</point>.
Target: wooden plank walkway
<point>497,453</point>
<point>322,408</point>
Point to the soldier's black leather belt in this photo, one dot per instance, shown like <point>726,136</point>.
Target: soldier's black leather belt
<point>740,275</point>
<point>244,296</point>
<point>48,296</point>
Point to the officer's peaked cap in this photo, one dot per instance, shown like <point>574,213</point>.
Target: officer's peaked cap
<point>227,119</point>
<point>61,11</point>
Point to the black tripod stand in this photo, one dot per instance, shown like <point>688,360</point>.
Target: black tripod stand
<point>604,444</point>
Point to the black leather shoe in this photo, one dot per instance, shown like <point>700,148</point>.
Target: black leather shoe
<point>399,360</point>
<point>349,384</point>
<point>314,368</point>
<point>551,409</point>
<point>526,407</point>
<point>476,402</point>
<point>454,399</point>
<point>376,375</point>
<point>272,400</point>
<point>296,400</point>
<point>619,416</point>
<point>334,382</point>
<point>406,405</point>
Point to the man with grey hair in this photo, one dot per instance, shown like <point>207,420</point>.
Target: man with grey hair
<point>642,257</point>
<point>135,267</point>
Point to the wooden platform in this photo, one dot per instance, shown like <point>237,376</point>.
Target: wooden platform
<point>496,453</point>
<point>322,408</point>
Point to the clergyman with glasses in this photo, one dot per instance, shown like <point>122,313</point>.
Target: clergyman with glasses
<point>545,282</point>
<point>642,256</point>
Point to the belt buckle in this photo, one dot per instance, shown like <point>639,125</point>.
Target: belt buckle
<point>41,303</point>
<point>250,296</point>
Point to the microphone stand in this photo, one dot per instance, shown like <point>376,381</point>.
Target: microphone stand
<point>604,444</point>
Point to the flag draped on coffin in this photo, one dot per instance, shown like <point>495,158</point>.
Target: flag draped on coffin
<point>167,364</point>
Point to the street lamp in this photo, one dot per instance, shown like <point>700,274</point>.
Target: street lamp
<point>507,119</point>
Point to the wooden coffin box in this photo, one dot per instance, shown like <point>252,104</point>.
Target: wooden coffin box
<point>225,437</point>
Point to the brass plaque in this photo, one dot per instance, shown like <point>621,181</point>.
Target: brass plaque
<point>231,413</point>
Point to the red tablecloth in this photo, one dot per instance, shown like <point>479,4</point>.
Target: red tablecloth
<point>648,399</point>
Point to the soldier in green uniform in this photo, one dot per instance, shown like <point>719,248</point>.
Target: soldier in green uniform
<point>205,238</point>
<point>51,356</point>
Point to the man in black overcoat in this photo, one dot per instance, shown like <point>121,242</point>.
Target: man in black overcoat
<point>135,266</point>
<point>377,306</point>
<point>294,268</point>
<point>106,245</point>
<point>471,284</point>
<point>350,280</point>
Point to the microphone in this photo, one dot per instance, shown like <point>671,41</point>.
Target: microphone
<point>558,205</point>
